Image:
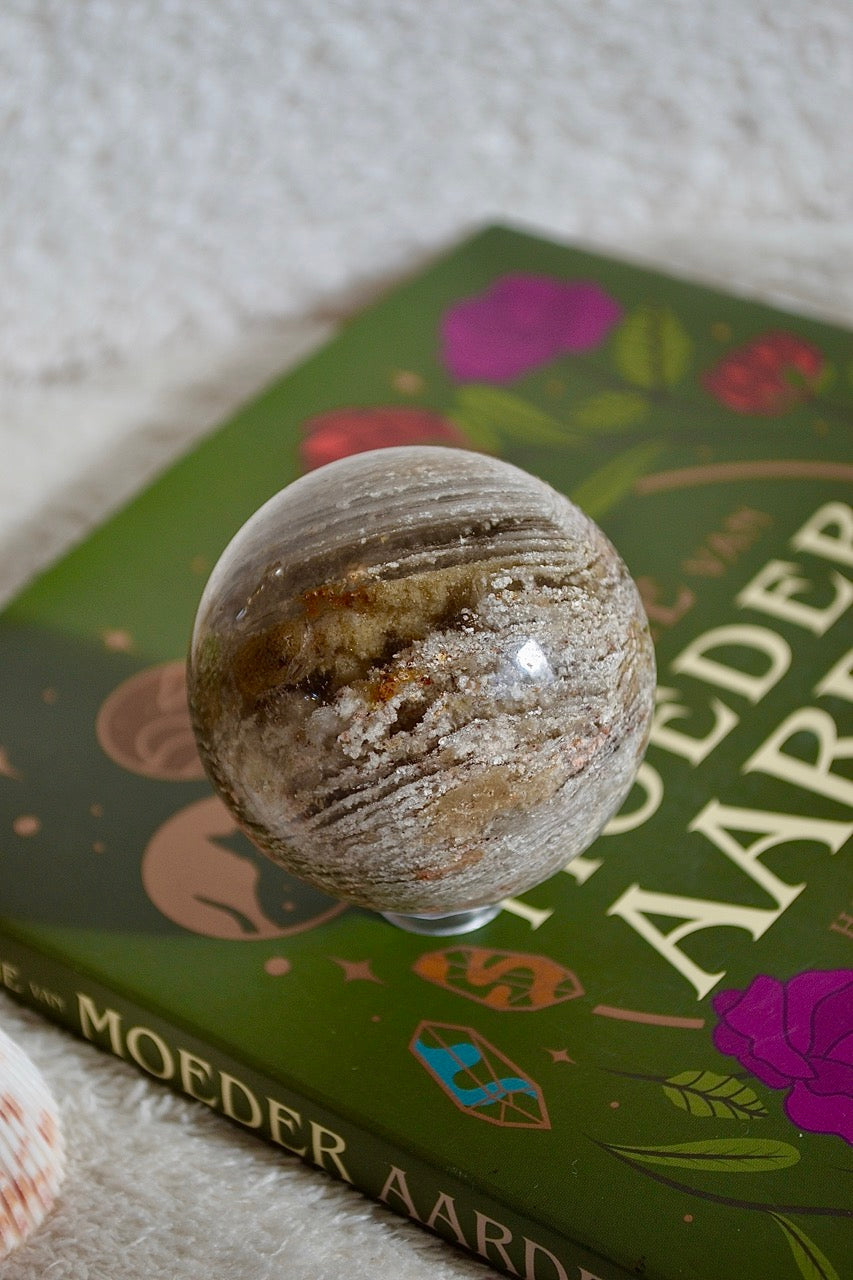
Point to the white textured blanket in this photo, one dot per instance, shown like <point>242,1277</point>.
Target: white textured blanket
<point>191,193</point>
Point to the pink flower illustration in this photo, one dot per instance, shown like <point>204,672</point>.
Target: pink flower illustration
<point>522,321</point>
<point>342,432</point>
<point>772,373</point>
<point>796,1035</point>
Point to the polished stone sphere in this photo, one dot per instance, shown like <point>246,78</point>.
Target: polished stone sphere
<point>421,679</point>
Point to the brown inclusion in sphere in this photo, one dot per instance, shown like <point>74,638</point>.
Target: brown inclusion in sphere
<point>421,679</point>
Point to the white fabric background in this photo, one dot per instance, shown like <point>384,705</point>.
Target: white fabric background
<point>192,193</point>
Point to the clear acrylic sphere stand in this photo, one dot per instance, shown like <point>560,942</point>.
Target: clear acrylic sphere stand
<point>446,923</point>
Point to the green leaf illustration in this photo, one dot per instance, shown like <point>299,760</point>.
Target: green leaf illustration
<point>811,1262</point>
<point>652,349</point>
<point>719,1155</point>
<point>826,379</point>
<point>809,386</point>
<point>478,435</point>
<point>505,416</point>
<point>598,493</point>
<point>611,411</point>
<point>704,1093</point>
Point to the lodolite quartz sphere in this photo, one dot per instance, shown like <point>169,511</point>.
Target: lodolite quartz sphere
<point>421,679</point>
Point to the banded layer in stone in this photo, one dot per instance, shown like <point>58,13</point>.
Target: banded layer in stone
<point>421,679</point>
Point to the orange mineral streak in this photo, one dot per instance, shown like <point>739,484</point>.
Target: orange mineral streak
<point>334,596</point>
<point>388,683</point>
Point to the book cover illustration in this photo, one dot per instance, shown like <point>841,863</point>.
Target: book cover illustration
<point>643,1066</point>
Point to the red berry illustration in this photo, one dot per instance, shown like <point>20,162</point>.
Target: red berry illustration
<point>768,375</point>
<point>342,432</point>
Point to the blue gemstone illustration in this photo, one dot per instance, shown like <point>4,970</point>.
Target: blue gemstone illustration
<point>478,1077</point>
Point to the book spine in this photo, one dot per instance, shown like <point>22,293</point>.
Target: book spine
<point>301,1126</point>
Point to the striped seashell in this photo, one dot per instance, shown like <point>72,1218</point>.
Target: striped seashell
<point>31,1149</point>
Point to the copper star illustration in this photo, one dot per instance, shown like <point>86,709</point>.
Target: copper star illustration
<point>7,769</point>
<point>560,1055</point>
<point>357,971</point>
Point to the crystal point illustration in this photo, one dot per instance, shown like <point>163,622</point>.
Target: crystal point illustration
<point>478,1077</point>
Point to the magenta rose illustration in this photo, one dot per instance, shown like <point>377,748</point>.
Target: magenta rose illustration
<point>523,321</point>
<point>342,432</point>
<point>768,375</point>
<point>796,1035</point>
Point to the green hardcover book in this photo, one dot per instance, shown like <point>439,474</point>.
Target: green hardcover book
<point>643,1067</point>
